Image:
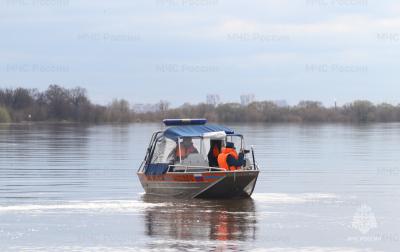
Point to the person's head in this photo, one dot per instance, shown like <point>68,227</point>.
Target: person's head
<point>187,142</point>
<point>230,145</point>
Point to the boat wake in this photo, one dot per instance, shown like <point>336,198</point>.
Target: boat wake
<point>297,198</point>
<point>100,206</point>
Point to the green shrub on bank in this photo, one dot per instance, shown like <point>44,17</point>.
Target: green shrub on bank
<point>4,115</point>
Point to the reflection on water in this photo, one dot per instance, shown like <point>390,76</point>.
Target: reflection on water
<point>221,220</point>
<point>200,220</point>
<point>68,187</point>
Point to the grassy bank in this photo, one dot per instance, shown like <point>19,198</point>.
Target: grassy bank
<point>4,115</point>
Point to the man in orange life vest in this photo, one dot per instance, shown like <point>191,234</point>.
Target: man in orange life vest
<point>229,160</point>
<point>186,148</point>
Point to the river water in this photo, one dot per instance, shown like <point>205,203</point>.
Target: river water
<point>327,187</point>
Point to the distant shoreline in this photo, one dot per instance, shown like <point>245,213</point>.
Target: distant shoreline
<point>211,122</point>
<point>61,105</point>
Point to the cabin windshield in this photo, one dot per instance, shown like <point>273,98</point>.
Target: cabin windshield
<point>195,151</point>
<point>192,151</point>
<point>164,151</point>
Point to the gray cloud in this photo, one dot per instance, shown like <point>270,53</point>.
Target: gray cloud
<point>116,49</point>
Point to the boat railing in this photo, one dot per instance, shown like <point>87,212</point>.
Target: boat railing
<point>194,168</point>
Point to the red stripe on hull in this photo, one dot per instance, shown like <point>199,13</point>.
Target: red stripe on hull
<point>206,177</point>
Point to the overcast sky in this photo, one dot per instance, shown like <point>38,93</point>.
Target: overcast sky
<point>182,50</point>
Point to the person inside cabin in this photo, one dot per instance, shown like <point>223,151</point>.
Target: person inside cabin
<point>229,159</point>
<point>186,148</point>
<point>215,150</point>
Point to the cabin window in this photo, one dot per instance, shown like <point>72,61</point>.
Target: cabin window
<point>192,152</point>
<point>237,140</point>
<point>188,146</point>
<point>164,151</point>
<point>189,141</point>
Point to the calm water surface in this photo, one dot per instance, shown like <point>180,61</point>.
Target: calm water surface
<point>322,188</point>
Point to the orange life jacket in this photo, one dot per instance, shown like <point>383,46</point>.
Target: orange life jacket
<point>216,151</point>
<point>222,159</point>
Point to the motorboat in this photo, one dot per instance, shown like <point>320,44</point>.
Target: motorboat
<point>165,171</point>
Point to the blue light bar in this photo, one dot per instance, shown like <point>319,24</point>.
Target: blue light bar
<point>180,122</point>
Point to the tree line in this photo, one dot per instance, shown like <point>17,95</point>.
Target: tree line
<point>73,105</point>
